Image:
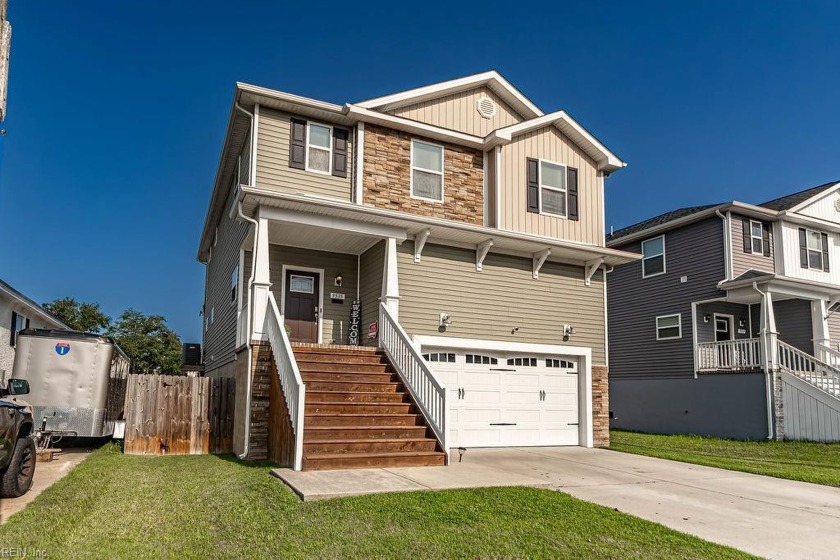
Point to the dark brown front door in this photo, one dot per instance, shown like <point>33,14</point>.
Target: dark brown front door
<point>301,309</point>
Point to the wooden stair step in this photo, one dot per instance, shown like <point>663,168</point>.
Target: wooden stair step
<point>326,461</point>
<point>321,433</point>
<point>341,446</point>
<point>356,420</point>
<point>335,350</point>
<point>369,386</point>
<point>355,396</point>
<point>322,367</point>
<point>358,407</point>
<point>349,377</point>
<point>349,358</point>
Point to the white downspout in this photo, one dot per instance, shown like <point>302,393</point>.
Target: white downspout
<point>249,313</point>
<point>768,374</point>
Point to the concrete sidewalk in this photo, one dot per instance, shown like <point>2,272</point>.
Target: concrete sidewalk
<point>766,516</point>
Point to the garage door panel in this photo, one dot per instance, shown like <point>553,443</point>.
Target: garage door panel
<point>559,381</point>
<point>522,416</point>
<point>520,380</point>
<point>483,416</point>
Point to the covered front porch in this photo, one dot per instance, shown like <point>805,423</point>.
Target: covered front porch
<point>762,323</point>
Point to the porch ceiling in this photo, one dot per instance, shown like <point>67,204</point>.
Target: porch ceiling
<point>319,238</point>
<point>450,232</point>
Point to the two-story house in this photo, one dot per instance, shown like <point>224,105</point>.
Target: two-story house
<point>18,312</point>
<point>393,278</point>
<point>727,326</point>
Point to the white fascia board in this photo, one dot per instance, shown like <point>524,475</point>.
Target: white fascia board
<point>290,98</point>
<point>328,222</point>
<point>803,220</point>
<point>607,160</point>
<point>36,309</point>
<point>428,341</point>
<point>814,198</point>
<point>415,127</point>
<point>424,93</point>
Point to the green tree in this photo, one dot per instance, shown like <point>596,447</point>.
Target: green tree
<point>151,346</point>
<point>86,317</point>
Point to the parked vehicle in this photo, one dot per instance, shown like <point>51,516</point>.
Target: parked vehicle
<point>77,381</point>
<point>17,446</point>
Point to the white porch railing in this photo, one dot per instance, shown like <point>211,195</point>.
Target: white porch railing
<point>828,355</point>
<point>427,391</point>
<point>287,370</point>
<point>729,355</point>
<point>819,374</point>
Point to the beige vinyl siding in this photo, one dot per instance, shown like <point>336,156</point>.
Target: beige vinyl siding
<point>273,171</point>
<point>459,112</point>
<point>371,264</point>
<point>489,305</point>
<point>220,337</point>
<point>741,261</point>
<point>550,144</point>
<point>336,316</point>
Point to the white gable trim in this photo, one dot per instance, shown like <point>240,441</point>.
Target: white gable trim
<point>816,197</point>
<point>607,160</point>
<point>502,87</point>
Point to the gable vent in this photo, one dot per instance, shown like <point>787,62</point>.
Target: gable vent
<point>486,107</point>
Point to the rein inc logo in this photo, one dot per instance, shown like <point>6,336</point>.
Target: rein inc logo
<point>62,348</point>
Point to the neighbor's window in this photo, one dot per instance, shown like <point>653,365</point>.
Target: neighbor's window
<point>318,148</point>
<point>552,188</point>
<point>757,237</point>
<point>653,262</point>
<point>426,171</point>
<point>668,326</point>
<point>234,284</point>
<point>19,322</point>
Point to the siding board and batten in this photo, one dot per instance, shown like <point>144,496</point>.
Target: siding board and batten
<point>743,261</point>
<point>824,207</point>
<point>809,413</point>
<point>274,172</point>
<point>792,265</point>
<point>551,145</point>
<point>488,305</point>
<point>459,112</point>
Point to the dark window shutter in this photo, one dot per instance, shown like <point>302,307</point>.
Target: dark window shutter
<point>27,322</point>
<point>825,251</point>
<point>533,185</point>
<point>339,152</point>
<point>297,144</point>
<point>803,248</point>
<point>12,329</point>
<point>747,236</point>
<point>765,238</point>
<point>572,189</point>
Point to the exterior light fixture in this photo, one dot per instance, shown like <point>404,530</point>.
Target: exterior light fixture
<point>339,279</point>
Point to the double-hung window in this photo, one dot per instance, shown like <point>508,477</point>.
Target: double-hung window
<point>318,148</point>
<point>757,237</point>
<point>426,171</point>
<point>653,261</point>
<point>813,249</point>
<point>553,190</point>
<point>668,326</point>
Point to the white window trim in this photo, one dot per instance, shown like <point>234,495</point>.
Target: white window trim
<point>234,285</point>
<point>212,314</point>
<point>664,260</point>
<point>541,187</point>
<point>808,249</point>
<point>412,167</point>
<point>730,324</point>
<point>679,326</point>
<point>760,237</point>
<point>308,138</point>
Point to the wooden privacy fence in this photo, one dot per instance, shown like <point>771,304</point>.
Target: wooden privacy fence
<point>174,415</point>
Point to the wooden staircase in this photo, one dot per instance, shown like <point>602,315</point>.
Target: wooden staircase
<point>358,414</point>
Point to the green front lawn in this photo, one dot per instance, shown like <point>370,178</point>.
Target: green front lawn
<point>805,461</point>
<point>114,505</point>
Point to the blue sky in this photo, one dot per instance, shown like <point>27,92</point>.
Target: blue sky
<point>117,111</point>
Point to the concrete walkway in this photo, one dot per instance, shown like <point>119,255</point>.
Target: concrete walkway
<point>766,516</point>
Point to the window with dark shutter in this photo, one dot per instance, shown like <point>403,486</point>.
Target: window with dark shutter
<point>825,252</point>
<point>297,144</point>
<point>813,249</point>
<point>572,187</point>
<point>803,248</point>
<point>533,185</point>
<point>339,152</point>
<point>12,331</point>
<point>746,235</point>
<point>765,236</point>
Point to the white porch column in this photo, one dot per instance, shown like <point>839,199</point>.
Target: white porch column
<point>390,279</point>
<point>262,279</point>
<point>768,332</point>
<point>819,325</point>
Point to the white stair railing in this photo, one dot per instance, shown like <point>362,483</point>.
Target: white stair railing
<point>733,355</point>
<point>290,379</point>
<point>428,392</point>
<point>819,374</point>
<point>828,355</point>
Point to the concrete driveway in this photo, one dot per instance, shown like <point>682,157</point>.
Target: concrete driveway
<point>766,516</point>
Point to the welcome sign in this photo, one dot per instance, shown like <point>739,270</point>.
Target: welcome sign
<point>355,322</point>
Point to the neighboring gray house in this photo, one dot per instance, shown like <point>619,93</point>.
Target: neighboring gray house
<point>18,312</point>
<point>726,327</point>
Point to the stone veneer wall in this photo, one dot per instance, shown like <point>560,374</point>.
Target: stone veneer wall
<point>260,396</point>
<point>387,177</point>
<point>600,406</point>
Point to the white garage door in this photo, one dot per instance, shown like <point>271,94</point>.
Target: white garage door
<point>508,399</point>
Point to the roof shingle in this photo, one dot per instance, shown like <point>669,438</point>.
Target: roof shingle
<point>791,200</point>
<point>659,220</point>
